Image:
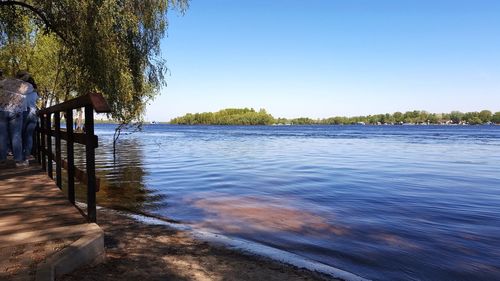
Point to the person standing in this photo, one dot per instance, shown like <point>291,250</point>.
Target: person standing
<point>29,116</point>
<point>12,105</point>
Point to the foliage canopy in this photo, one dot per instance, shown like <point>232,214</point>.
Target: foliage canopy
<point>77,46</point>
<point>230,116</point>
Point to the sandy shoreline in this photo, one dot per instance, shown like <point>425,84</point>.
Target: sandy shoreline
<point>140,251</point>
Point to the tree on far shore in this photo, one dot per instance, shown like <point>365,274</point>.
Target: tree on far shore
<point>485,116</point>
<point>230,116</point>
<point>496,118</point>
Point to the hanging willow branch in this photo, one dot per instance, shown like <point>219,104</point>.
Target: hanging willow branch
<point>38,13</point>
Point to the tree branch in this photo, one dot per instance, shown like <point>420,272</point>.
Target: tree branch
<point>37,12</point>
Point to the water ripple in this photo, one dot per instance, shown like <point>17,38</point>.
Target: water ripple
<point>384,202</point>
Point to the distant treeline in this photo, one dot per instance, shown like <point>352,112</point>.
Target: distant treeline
<point>248,116</point>
<point>230,116</point>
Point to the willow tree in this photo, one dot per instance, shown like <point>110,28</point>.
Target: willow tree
<point>42,55</point>
<point>113,44</point>
<point>107,46</point>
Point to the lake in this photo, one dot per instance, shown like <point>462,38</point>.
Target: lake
<point>383,202</point>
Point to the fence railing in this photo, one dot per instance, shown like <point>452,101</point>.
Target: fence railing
<point>46,132</point>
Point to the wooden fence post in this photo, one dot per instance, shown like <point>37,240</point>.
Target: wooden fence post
<point>57,123</point>
<point>70,155</point>
<point>43,142</point>
<point>49,145</point>
<point>90,162</point>
<point>38,151</point>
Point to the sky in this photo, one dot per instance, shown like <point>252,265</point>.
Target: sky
<point>328,58</point>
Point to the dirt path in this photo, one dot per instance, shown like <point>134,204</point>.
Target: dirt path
<point>137,251</point>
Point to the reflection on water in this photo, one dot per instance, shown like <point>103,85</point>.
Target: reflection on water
<point>386,203</point>
<point>122,178</point>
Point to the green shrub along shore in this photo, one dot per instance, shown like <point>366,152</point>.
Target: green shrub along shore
<point>249,116</point>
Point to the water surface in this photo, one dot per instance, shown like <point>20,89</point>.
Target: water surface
<point>383,202</point>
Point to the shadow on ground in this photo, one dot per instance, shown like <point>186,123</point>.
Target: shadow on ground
<point>136,251</point>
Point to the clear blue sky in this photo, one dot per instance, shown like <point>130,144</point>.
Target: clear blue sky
<point>333,57</point>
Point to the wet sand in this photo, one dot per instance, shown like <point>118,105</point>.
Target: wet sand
<point>139,251</point>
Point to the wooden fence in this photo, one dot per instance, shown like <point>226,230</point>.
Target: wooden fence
<point>47,132</point>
